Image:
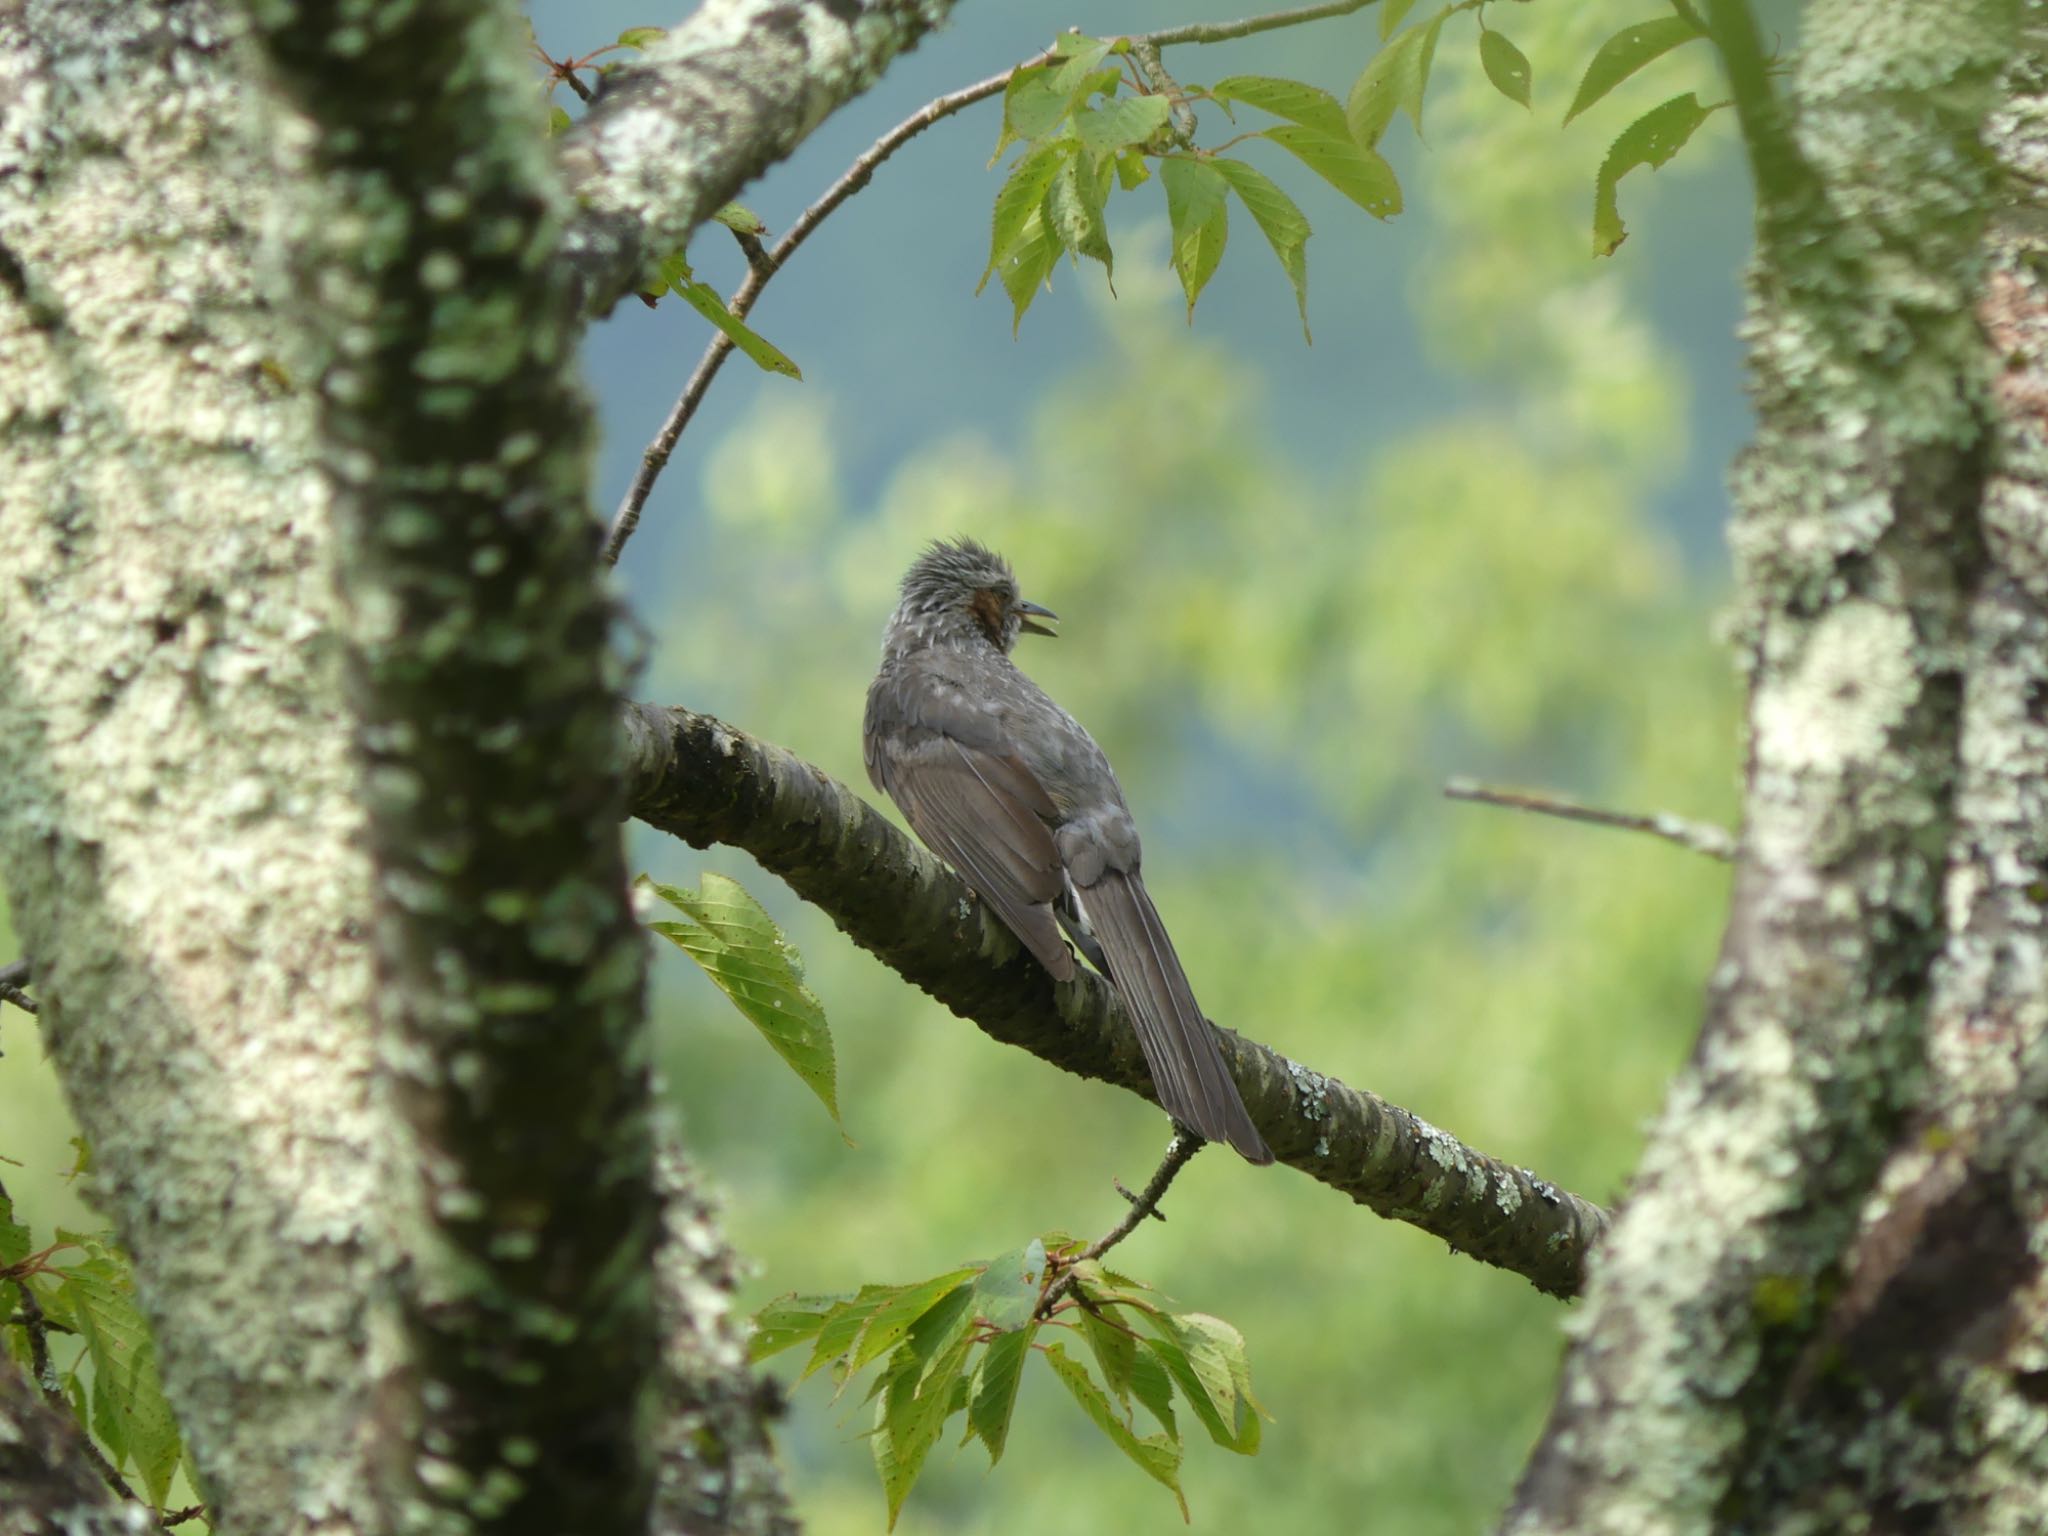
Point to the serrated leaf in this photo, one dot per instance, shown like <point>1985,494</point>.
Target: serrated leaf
<point>1080,61</point>
<point>1394,81</point>
<point>1157,1455</point>
<point>841,1328</point>
<point>1131,170</point>
<point>1625,53</point>
<point>1392,14</point>
<point>890,1321</point>
<point>641,37</point>
<point>1285,226</point>
<point>1021,200</point>
<point>1308,105</point>
<point>1651,140</point>
<point>1032,108</point>
<point>1362,175</point>
<point>1024,272</point>
<point>788,1321</point>
<point>910,1414</point>
<point>130,1414</point>
<point>995,1390</point>
<point>704,299</point>
<point>1007,1292</point>
<point>739,947</point>
<point>741,220</point>
<point>1115,1352</point>
<point>1120,123</point>
<point>1205,1357</point>
<point>1073,208</point>
<point>1152,1386</point>
<point>1196,209</point>
<point>1505,65</point>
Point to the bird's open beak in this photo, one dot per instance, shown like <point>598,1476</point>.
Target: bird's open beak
<point>1032,613</point>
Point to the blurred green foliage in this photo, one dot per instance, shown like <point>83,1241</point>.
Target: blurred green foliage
<point>1285,661</point>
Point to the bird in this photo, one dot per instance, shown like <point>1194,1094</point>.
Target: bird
<point>1013,792</point>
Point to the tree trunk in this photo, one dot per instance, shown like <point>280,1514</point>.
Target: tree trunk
<point>1818,1309</point>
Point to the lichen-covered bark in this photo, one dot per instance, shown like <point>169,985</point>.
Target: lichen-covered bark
<point>705,782</point>
<point>177,812</point>
<point>678,130</point>
<point>715,1464</point>
<point>1811,1254</point>
<point>182,826</point>
<point>47,1485</point>
<point>456,437</point>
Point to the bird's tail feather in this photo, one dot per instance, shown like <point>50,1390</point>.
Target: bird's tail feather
<point>1187,1066</point>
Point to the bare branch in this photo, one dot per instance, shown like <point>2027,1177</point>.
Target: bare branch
<point>703,781</point>
<point>857,176</point>
<point>1700,836</point>
<point>1179,1153</point>
<point>13,977</point>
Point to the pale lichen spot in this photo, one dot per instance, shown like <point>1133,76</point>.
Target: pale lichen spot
<point>1837,706</point>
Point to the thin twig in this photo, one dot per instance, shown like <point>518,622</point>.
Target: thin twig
<point>856,176</point>
<point>1145,1203</point>
<point>13,977</point>
<point>177,1517</point>
<point>1700,836</point>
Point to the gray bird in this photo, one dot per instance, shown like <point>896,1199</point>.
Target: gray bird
<point>1007,787</point>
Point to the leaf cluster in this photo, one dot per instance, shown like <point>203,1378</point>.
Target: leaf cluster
<point>958,1343</point>
<point>85,1289</point>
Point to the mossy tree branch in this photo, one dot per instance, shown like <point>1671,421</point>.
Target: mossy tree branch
<point>705,782</point>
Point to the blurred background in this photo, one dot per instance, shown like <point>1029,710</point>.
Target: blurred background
<point>1475,529</point>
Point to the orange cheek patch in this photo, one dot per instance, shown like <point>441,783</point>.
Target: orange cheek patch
<point>988,612</point>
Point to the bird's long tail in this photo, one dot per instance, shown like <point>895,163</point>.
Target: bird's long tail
<point>1195,1086</point>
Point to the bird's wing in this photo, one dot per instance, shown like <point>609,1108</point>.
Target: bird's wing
<point>1187,1066</point>
<point>980,811</point>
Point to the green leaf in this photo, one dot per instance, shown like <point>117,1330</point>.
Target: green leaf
<point>1073,211</point>
<point>789,1320</point>
<point>889,1322</point>
<point>995,1388</point>
<point>130,1415</point>
<point>1021,200</point>
<point>1120,123</point>
<point>1115,1351</point>
<point>1031,107</point>
<point>745,954</point>
<point>1392,14</point>
<point>1195,192</point>
<point>559,121</point>
<point>1625,53</point>
<point>1007,1292</point>
<point>841,1328</point>
<point>1304,104</point>
<point>1362,175</point>
<point>1393,82</point>
<point>1205,1357</point>
<point>704,299</point>
<point>1025,271</point>
<point>1285,227</point>
<point>1131,170</point>
<point>641,37</point>
<point>1157,1455</point>
<point>740,220</point>
<point>1651,140</point>
<point>910,1414</point>
<point>1153,1386</point>
<point>1505,65</point>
